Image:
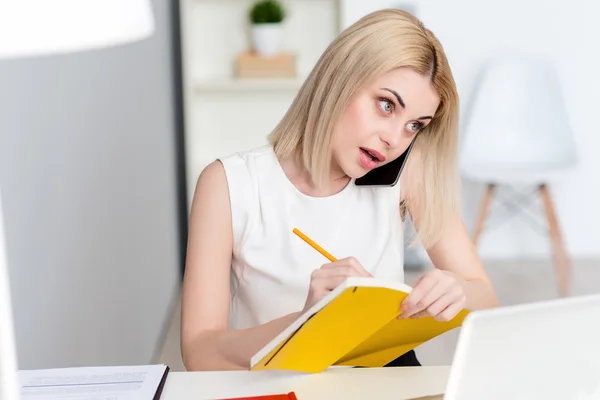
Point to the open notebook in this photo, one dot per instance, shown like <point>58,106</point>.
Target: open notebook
<point>354,325</point>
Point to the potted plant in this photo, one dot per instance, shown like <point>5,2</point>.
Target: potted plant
<point>266,17</point>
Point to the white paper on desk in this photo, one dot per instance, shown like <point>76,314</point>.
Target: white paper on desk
<point>92,383</point>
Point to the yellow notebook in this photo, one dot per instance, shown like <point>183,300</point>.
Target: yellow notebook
<point>354,325</point>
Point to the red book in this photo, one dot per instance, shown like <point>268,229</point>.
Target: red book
<point>288,396</point>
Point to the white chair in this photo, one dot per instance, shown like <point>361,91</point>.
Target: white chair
<point>517,132</point>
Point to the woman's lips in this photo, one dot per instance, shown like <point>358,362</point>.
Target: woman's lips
<point>367,160</point>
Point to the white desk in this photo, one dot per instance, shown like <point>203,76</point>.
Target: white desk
<point>400,383</point>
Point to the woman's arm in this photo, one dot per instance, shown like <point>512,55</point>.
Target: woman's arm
<point>459,279</point>
<point>456,265</point>
<point>206,342</point>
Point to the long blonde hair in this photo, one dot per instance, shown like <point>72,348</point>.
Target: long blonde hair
<point>377,43</point>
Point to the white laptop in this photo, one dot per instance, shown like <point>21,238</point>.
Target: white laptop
<point>8,361</point>
<point>547,350</point>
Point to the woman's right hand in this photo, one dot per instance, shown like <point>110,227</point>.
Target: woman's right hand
<point>329,276</point>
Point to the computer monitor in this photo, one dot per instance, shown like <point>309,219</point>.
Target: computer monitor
<point>9,385</point>
<point>544,350</point>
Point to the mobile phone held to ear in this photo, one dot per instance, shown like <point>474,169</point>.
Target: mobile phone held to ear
<point>388,174</point>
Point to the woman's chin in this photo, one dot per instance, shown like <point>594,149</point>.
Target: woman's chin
<point>354,170</point>
<point>355,173</point>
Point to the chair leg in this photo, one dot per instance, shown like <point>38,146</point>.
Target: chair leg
<point>561,258</point>
<point>483,212</point>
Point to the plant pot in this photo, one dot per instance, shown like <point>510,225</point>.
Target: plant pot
<point>266,38</point>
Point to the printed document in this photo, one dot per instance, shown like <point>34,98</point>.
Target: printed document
<point>93,383</point>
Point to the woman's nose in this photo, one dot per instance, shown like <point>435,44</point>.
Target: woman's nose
<point>391,138</point>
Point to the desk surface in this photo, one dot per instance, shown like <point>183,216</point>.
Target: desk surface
<point>400,383</point>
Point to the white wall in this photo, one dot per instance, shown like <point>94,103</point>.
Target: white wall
<point>352,10</point>
<point>87,172</point>
<point>471,31</point>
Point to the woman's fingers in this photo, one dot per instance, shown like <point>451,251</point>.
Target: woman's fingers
<point>435,294</point>
<point>415,301</point>
<point>450,312</point>
<point>434,299</point>
<point>353,266</point>
<point>331,282</point>
<point>330,276</point>
<point>357,267</point>
<point>337,270</point>
<point>436,307</point>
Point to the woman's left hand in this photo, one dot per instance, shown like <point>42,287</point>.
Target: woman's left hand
<point>438,294</point>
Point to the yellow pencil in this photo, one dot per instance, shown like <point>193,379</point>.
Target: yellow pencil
<point>314,245</point>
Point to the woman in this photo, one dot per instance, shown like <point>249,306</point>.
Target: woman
<point>379,84</point>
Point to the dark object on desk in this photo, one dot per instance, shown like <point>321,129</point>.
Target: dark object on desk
<point>408,359</point>
<point>161,385</point>
<point>288,396</point>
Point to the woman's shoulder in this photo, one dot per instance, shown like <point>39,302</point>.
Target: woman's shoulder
<point>247,156</point>
<point>240,169</point>
<point>233,166</point>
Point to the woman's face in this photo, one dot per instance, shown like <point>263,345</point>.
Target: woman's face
<point>381,121</point>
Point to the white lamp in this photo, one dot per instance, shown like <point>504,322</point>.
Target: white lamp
<point>43,27</point>
<point>38,27</point>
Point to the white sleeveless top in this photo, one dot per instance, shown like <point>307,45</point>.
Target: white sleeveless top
<point>271,267</point>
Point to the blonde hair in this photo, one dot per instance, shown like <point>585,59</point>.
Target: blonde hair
<point>377,43</point>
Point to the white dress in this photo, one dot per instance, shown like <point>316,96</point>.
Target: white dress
<point>271,266</point>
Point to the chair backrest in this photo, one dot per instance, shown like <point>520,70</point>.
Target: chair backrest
<point>518,121</point>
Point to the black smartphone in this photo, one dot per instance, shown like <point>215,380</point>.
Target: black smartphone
<point>388,174</point>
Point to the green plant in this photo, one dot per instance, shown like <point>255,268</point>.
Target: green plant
<point>267,11</point>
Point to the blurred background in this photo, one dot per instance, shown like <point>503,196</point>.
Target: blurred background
<point>100,152</point>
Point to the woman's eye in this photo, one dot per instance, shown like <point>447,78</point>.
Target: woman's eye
<point>415,127</point>
<point>386,105</point>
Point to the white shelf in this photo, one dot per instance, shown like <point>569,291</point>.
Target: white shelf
<point>223,113</point>
<point>247,84</point>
